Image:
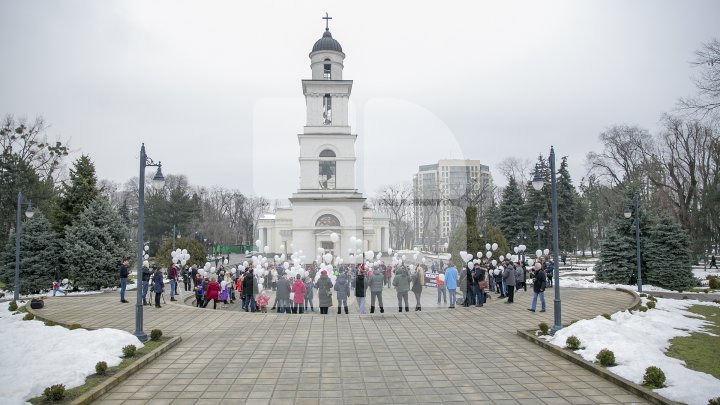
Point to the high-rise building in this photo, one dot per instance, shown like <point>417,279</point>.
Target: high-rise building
<point>441,192</point>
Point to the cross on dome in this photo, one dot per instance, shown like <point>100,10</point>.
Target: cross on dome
<point>327,19</point>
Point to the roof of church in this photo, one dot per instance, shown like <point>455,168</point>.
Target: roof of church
<point>327,43</point>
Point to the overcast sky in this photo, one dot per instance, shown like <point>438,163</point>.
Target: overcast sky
<point>213,87</point>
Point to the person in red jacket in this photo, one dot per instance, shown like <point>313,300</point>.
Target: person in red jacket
<point>298,289</point>
<point>212,293</point>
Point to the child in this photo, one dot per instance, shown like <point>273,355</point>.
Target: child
<point>262,301</point>
<point>199,302</point>
<point>57,288</point>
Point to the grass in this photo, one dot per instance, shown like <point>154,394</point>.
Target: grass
<point>95,379</point>
<point>699,350</point>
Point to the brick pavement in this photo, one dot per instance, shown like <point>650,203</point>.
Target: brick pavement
<point>462,355</point>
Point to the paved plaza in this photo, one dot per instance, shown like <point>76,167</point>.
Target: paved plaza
<point>439,355</point>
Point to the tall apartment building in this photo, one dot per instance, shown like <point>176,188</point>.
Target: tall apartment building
<point>442,191</point>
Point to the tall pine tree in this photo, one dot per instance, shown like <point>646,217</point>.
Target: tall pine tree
<point>667,256</point>
<point>617,262</point>
<point>95,244</point>
<point>474,243</point>
<point>511,210</point>
<point>39,254</point>
<point>76,194</point>
<point>567,198</point>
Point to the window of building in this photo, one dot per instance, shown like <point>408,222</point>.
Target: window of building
<point>327,72</point>
<point>326,170</point>
<point>327,220</point>
<point>327,110</point>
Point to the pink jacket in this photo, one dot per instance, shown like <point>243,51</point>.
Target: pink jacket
<point>298,288</point>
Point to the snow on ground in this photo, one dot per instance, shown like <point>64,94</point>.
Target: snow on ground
<point>35,356</point>
<point>9,294</point>
<point>639,340</point>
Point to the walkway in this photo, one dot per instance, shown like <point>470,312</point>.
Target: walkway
<point>463,355</point>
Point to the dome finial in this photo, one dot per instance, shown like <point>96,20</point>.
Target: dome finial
<point>327,19</point>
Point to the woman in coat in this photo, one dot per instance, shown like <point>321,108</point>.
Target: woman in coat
<point>158,286</point>
<point>298,290</point>
<point>360,287</point>
<point>309,285</point>
<point>324,286</point>
<point>401,282</point>
<point>376,290</point>
<point>342,286</point>
<point>212,292</point>
<point>417,287</point>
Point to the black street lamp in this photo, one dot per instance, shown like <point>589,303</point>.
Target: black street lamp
<point>538,184</point>
<point>18,231</point>
<point>158,182</point>
<point>539,226</point>
<point>628,213</point>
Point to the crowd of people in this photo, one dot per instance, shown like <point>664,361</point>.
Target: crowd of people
<point>295,291</point>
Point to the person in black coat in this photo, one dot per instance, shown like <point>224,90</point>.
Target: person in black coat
<point>158,286</point>
<point>123,279</point>
<point>146,273</point>
<point>360,287</point>
<point>539,284</point>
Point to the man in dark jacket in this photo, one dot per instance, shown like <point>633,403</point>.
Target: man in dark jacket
<point>282,294</point>
<point>479,276</point>
<point>249,285</point>
<point>172,277</point>
<point>146,273</point>
<point>360,291</point>
<point>508,275</point>
<point>123,279</point>
<point>539,285</point>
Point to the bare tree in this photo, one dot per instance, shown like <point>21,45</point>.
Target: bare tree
<point>621,159</point>
<point>396,200</point>
<point>707,81</point>
<point>517,168</point>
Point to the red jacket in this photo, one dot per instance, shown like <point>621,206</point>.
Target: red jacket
<point>299,289</point>
<point>213,289</point>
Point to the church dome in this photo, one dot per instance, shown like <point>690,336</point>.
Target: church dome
<point>327,43</point>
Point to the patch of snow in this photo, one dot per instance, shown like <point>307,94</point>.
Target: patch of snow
<point>35,356</point>
<point>640,340</point>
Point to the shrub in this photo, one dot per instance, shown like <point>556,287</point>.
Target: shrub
<point>50,323</point>
<point>28,317</point>
<point>101,367</point>
<point>155,334</point>
<point>714,401</point>
<point>643,295</point>
<point>606,358</point>
<point>714,282</point>
<point>13,306</point>
<point>654,378</point>
<point>572,343</point>
<point>74,326</point>
<point>650,304</point>
<point>54,392</point>
<point>606,316</point>
<point>642,308</point>
<point>129,351</point>
<point>543,328</point>
<point>651,298</point>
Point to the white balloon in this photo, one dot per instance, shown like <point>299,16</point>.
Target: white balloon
<point>479,254</point>
<point>334,237</point>
<point>494,262</point>
<point>515,249</point>
<point>470,265</point>
<point>184,251</point>
<point>146,263</point>
<point>538,253</point>
<point>245,263</point>
<point>530,262</point>
<point>378,255</point>
<point>146,248</point>
<point>370,253</point>
<point>390,251</point>
<point>146,256</point>
<point>494,246</point>
<point>502,258</point>
<point>403,257</point>
<point>183,262</point>
<point>286,265</point>
<point>258,243</point>
<point>488,255</point>
<point>488,246</point>
<point>173,253</point>
<point>546,251</point>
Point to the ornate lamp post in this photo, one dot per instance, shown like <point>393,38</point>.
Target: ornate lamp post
<point>628,213</point>
<point>18,231</point>
<point>158,182</point>
<point>537,184</point>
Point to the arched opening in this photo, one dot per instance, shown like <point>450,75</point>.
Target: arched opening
<point>326,170</point>
<point>327,110</point>
<point>327,220</point>
<point>327,73</point>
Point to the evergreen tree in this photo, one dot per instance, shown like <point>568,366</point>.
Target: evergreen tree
<point>39,254</point>
<point>194,248</point>
<point>473,242</point>
<point>76,194</point>
<point>95,244</point>
<point>457,243</point>
<point>495,236</point>
<point>667,256</point>
<point>511,210</point>
<point>567,208</point>
<point>617,263</point>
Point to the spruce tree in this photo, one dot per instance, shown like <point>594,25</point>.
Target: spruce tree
<point>474,244</point>
<point>667,256</point>
<point>39,255</point>
<point>76,194</point>
<point>511,210</point>
<point>617,263</point>
<point>567,206</point>
<point>95,244</point>
<point>495,236</point>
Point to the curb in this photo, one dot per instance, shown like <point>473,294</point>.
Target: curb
<point>113,381</point>
<point>42,318</point>
<point>636,298</point>
<point>600,371</point>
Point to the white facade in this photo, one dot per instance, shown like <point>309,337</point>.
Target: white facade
<point>443,190</point>
<point>327,200</point>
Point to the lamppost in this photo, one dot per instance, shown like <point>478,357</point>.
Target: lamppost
<point>537,184</point>
<point>628,213</point>
<point>18,230</point>
<point>158,182</point>
<point>175,236</point>
<point>539,226</point>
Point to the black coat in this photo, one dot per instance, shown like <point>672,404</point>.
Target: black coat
<point>146,274</point>
<point>540,281</point>
<point>123,271</point>
<point>360,285</point>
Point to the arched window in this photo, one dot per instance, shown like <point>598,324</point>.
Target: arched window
<point>326,170</point>
<point>327,75</point>
<point>327,220</point>
<point>327,110</point>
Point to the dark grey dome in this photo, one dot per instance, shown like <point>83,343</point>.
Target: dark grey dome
<point>327,43</point>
